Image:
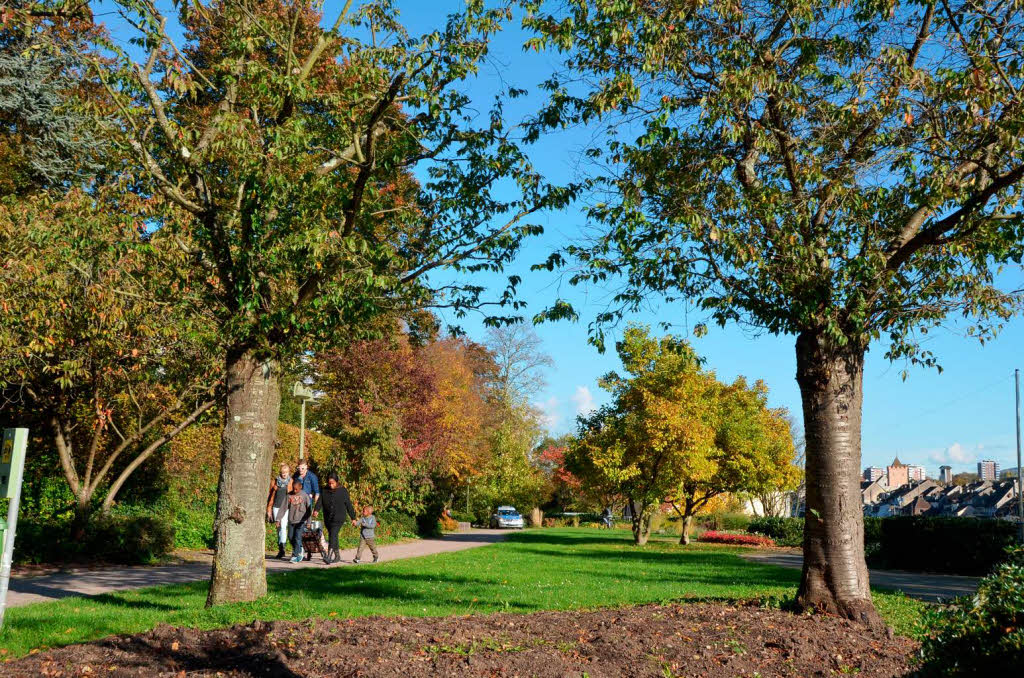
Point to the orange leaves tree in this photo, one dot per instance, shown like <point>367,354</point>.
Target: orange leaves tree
<point>412,417</point>
<point>287,149</point>
<point>674,433</point>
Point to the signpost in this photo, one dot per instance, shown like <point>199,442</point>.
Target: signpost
<point>12,464</point>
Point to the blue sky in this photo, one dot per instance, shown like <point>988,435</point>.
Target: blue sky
<point>964,414</point>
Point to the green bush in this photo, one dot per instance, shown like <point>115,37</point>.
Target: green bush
<point>722,521</point>
<point>967,546</point>
<point>463,517</point>
<point>126,539</point>
<point>872,538</point>
<point>981,635</point>
<point>785,531</point>
<point>193,527</point>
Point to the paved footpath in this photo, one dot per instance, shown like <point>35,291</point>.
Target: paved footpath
<point>931,588</point>
<point>40,589</point>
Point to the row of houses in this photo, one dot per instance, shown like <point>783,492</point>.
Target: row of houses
<point>981,499</point>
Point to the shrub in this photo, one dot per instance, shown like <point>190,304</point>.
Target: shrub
<point>132,539</point>
<point>125,539</point>
<point>664,523</point>
<point>737,539</point>
<point>193,527</point>
<point>449,524</point>
<point>722,521</point>
<point>981,635</point>
<point>785,531</point>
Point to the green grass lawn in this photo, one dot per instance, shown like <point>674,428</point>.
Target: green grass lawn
<point>532,570</point>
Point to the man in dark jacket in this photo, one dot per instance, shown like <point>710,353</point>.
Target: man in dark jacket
<point>335,504</point>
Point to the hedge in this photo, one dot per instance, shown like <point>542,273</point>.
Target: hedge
<point>124,539</point>
<point>966,546</point>
<point>785,531</point>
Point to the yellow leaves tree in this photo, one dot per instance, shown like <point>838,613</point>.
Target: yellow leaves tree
<point>674,433</point>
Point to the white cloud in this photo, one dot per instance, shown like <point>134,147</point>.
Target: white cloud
<point>549,412</point>
<point>957,454</point>
<point>584,400</point>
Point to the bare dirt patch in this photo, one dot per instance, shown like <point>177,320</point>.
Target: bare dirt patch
<point>649,640</point>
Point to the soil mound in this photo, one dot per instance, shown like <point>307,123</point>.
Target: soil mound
<point>649,640</point>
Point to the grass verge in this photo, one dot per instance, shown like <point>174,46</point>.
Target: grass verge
<point>551,569</point>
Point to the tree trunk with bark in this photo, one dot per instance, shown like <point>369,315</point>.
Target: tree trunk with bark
<point>684,537</point>
<point>247,447</point>
<point>642,525</point>
<point>835,576</point>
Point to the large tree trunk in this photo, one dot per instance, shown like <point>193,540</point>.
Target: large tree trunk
<point>835,577</point>
<point>247,447</point>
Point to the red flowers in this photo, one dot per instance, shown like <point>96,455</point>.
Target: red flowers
<point>737,539</point>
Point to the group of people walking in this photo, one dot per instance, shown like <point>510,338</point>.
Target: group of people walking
<point>295,499</point>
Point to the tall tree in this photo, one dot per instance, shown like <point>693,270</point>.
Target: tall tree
<point>101,348</point>
<point>287,149</point>
<point>520,360</point>
<point>835,171</point>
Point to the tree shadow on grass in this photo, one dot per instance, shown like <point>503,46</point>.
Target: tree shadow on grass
<point>583,536</point>
<point>400,587</point>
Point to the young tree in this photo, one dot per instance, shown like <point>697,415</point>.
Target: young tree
<point>101,344</point>
<point>835,171</point>
<point>675,434</point>
<point>287,150</point>
<point>752,452</point>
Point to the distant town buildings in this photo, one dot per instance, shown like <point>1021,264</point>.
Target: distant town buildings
<point>980,499</point>
<point>897,473</point>
<point>916,473</point>
<point>871,491</point>
<point>946,474</point>
<point>988,470</point>
<point>1008,473</point>
<point>873,473</point>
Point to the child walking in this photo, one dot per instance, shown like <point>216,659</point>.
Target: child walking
<point>299,504</point>
<point>367,536</point>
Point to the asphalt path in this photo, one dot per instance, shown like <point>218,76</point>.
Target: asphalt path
<point>931,588</point>
<point>26,590</point>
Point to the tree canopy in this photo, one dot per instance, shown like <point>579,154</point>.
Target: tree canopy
<point>675,434</point>
<point>844,172</point>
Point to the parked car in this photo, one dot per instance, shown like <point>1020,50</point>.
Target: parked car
<point>507,516</point>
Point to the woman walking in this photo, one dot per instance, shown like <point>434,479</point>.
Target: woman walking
<point>277,506</point>
<point>335,504</point>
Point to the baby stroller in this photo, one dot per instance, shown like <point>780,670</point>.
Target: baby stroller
<point>313,540</point>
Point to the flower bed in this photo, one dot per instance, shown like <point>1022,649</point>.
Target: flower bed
<point>737,539</point>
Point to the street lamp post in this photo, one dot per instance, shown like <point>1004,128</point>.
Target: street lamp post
<point>304,394</point>
<point>1020,480</point>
